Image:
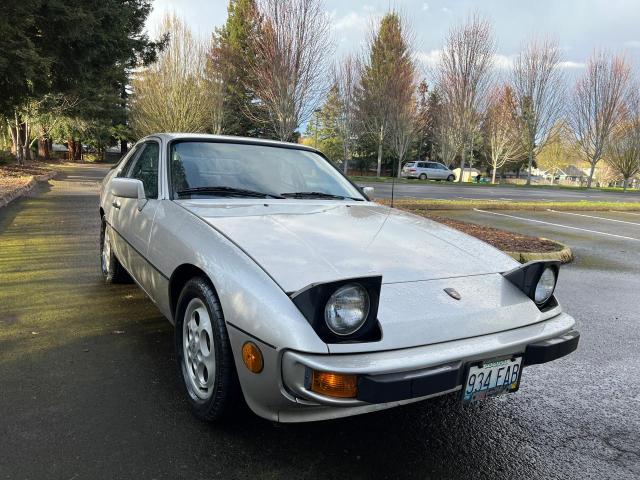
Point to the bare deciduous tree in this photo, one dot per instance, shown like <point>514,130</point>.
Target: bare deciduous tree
<point>597,104</point>
<point>464,77</point>
<point>290,67</point>
<point>403,115</point>
<point>538,85</point>
<point>346,78</point>
<point>623,149</point>
<point>175,94</point>
<point>502,129</point>
<point>558,152</point>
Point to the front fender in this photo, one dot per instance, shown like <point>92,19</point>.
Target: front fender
<point>251,301</point>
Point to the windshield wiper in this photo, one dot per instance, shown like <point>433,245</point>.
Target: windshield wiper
<point>226,192</point>
<point>318,195</point>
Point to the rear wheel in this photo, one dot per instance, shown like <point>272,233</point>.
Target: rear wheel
<point>450,178</point>
<point>112,270</point>
<point>204,353</point>
<point>423,176</point>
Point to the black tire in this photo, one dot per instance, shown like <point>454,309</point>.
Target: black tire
<point>450,178</point>
<point>112,269</point>
<point>423,176</point>
<point>226,395</point>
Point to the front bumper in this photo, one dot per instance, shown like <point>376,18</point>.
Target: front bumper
<point>446,378</point>
<point>390,378</point>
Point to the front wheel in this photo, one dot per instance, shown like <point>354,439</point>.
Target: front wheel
<point>204,353</point>
<point>450,178</point>
<point>112,270</point>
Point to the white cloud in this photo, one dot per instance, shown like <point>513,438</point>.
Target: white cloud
<point>502,62</point>
<point>351,21</point>
<point>369,8</point>
<point>429,59</point>
<point>446,10</point>
<point>571,65</point>
<point>432,57</point>
<point>425,6</point>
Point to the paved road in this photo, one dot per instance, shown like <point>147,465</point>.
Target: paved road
<point>436,190</point>
<point>89,389</point>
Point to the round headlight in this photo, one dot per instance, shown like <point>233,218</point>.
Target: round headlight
<point>545,286</point>
<point>347,309</point>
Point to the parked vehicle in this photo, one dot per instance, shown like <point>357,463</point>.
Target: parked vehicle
<point>427,170</point>
<point>288,287</point>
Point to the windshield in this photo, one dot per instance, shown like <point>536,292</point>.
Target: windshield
<point>227,169</point>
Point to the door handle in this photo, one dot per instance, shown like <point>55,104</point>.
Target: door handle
<point>115,204</point>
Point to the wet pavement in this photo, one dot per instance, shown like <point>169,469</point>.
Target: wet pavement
<point>89,385</point>
<point>453,191</point>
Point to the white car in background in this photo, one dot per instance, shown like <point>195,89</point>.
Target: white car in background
<point>427,170</point>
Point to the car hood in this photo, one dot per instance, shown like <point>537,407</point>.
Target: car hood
<point>304,242</point>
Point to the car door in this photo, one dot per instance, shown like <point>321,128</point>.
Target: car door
<point>133,219</point>
<point>438,170</point>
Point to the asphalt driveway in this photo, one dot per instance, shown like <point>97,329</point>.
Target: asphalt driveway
<point>89,385</point>
<point>454,191</point>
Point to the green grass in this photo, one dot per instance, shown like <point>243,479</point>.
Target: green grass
<point>584,205</point>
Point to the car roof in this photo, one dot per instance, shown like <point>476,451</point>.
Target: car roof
<point>169,136</point>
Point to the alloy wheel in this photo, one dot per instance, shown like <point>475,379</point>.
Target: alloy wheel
<point>198,358</point>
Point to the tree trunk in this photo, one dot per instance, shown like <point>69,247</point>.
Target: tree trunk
<point>529,167</point>
<point>71,147</point>
<point>380,138</point>
<point>18,140</point>
<point>625,184</point>
<point>123,147</point>
<point>43,146</point>
<point>399,167</point>
<point>78,152</point>
<point>591,172</point>
<point>345,164</point>
<point>462,161</point>
<point>493,176</point>
<point>14,140</point>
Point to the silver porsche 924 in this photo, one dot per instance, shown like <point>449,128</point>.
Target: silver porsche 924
<point>289,287</point>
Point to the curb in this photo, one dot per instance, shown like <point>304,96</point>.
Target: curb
<point>21,191</point>
<point>564,256</point>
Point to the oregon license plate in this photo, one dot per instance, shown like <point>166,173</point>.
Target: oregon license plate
<point>491,378</point>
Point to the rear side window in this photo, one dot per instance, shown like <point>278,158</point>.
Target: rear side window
<point>409,164</point>
<point>145,169</point>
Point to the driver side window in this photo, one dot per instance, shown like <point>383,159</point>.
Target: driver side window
<point>145,169</point>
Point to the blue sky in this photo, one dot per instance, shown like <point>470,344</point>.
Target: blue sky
<point>579,26</point>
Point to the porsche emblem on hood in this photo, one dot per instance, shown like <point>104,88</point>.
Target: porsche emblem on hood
<point>453,293</point>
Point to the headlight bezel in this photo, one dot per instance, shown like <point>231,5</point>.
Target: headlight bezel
<point>526,277</point>
<point>312,301</point>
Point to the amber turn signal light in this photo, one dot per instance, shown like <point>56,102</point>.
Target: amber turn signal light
<point>334,384</point>
<point>252,357</point>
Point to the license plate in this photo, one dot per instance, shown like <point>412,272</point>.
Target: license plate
<point>491,378</point>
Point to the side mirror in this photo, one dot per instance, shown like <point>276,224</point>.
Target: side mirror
<point>368,191</point>
<point>129,188</point>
